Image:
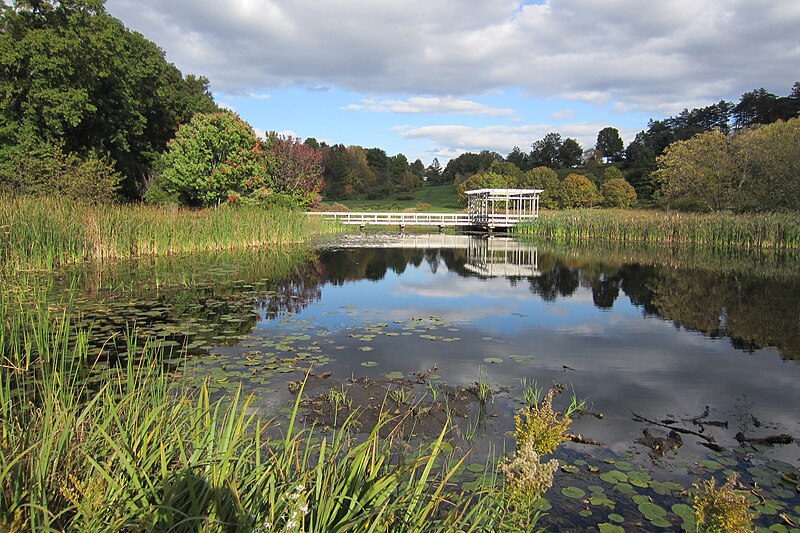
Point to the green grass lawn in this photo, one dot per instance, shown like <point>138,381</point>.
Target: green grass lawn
<point>442,198</point>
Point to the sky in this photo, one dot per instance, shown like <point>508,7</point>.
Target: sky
<point>436,78</point>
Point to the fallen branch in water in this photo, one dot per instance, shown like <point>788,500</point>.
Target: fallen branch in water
<point>580,439</point>
<point>707,438</point>
<point>771,440</point>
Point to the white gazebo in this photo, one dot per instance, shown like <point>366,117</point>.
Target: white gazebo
<point>502,208</point>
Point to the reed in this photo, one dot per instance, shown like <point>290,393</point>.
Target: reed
<point>137,451</point>
<point>45,233</point>
<point>727,230</point>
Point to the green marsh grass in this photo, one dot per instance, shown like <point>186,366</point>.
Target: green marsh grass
<point>775,230</point>
<point>140,451</point>
<point>45,233</point>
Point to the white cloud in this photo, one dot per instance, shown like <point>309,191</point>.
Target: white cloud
<point>436,105</point>
<point>257,96</point>
<point>502,139</point>
<point>562,114</point>
<point>634,55</point>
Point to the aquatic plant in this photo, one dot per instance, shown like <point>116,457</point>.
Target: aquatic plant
<point>339,397</point>
<point>721,508</point>
<point>400,395</point>
<point>130,448</point>
<point>44,233</point>
<point>531,393</point>
<point>541,426</point>
<point>485,394</point>
<point>763,230</point>
<point>526,477</point>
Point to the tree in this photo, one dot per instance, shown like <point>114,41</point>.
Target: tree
<point>417,168</point>
<point>612,173</point>
<point>434,171</point>
<point>346,171</point>
<point>768,160</point>
<point>544,152</point>
<point>702,170</point>
<point>542,178</point>
<point>518,158</point>
<point>483,180</point>
<point>578,191</point>
<point>609,143</point>
<point>71,73</point>
<point>569,153</point>
<point>468,164</point>
<point>617,192</point>
<point>755,107</point>
<point>212,158</point>
<point>296,169</point>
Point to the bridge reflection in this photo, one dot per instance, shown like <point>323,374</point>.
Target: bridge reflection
<point>487,255</point>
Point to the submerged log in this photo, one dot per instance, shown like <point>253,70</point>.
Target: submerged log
<point>770,440</point>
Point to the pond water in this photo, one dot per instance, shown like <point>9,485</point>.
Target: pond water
<point>685,358</point>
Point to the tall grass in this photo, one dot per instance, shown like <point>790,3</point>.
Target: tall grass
<point>137,452</point>
<point>44,233</point>
<point>727,230</point>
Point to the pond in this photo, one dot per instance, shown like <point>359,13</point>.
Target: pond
<point>687,360</point>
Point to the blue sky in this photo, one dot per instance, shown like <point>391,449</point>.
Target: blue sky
<point>435,78</point>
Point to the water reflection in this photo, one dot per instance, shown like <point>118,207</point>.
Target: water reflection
<point>752,308</point>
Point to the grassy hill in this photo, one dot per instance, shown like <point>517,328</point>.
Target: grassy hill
<point>441,198</point>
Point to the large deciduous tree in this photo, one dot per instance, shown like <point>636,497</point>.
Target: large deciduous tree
<point>296,169</point>
<point>610,144</point>
<point>703,170</point>
<point>769,160</point>
<point>578,191</point>
<point>216,156</point>
<point>71,74</point>
<point>617,192</point>
<point>545,151</point>
<point>545,179</point>
<point>569,153</point>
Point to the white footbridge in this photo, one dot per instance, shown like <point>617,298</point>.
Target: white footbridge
<point>486,209</point>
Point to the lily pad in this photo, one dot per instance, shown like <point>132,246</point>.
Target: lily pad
<point>394,375</point>
<point>369,363</point>
<point>607,527</point>
<point>492,360</point>
<point>614,517</point>
<point>573,492</point>
<point>614,477</point>
<point>652,511</point>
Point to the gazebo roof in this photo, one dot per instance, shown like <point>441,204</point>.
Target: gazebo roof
<point>505,193</point>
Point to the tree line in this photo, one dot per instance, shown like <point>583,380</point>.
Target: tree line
<point>90,109</point>
<point>724,156</point>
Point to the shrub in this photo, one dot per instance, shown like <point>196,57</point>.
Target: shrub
<point>213,154</point>
<point>541,427</point>
<point>618,193</point>
<point>542,178</point>
<point>721,508</point>
<point>612,173</point>
<point>578,191</point>
<point>41,169</point>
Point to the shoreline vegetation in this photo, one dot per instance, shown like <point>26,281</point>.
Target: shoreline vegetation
<point>47,233</point>
<point>719,230</point>
<point>140,450</point>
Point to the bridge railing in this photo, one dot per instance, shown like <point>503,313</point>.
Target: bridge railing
<point>425,219</point>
